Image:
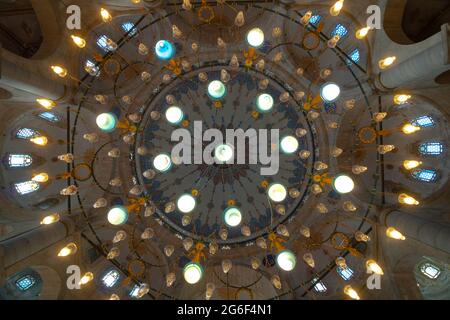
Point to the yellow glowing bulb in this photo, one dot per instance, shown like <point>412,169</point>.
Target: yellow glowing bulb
<point>409,128</point>
<point>401,98</point>
<point>348,290</point>
<point>106,16</point>
<point>41,177</point>
<point>40,140</point>
<point>387,62</point>
<point>88,277</point>
<point>411,164</point>
<point>408,200</point>
<point>394,234</point>
<point>46,103</point>
<point>362,33</point>
<point>136,1</point>
<point>50,219</point>
<point>374,266</point>
<point>68,250</point>
<point>60,71</point>
<point>80,42</point>
<point>336,8</point>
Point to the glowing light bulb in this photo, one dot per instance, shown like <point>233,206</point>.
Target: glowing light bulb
<point>255,38</point>
<point>39,140</point>
<point>343,184</point>
<point>68,250</point>
<point>107,122</point>
<point>118,215</point>
<point>277,192</point>
<point>88,277</point>
<point>348,290</point>
<point>374,267</point>
<point>387,62</point>
<point>232,217</point>
<point>401,98</point>
<point>186,203</point>
<point>286,260</point>
<point>409,129</point>
<point>46,103</point>
<point>164,50</point>
<point>408,200</point>
<point>264,102</point>
<point>330,92</point>
<point>216,90</point>
<point>289,144</point>
<point>336,8</point>
<point>394,234</point>
<point>80,42</point>
<point>174,115</point>
<point>60,71</point>
<point>193,273</point>
<point>223,153</point>
<point>162,163</point>
<point>41,177</point>
<point>106,16</point>
<point>411,164</point>
<point>362,33</point>
<point>50,219</point>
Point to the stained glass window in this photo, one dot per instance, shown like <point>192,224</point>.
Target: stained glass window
<point>430,270</point>
<point>315,19</point>
<point>91,68</point>
<point>19,160</point>
<point>130,28</point>
<point>103,42</point>
<point>423,122</point>
<point>25,283</point>
<point>340,30</point>
<point>346,273</point>
<point>319,286</point>
<point>111,278</point>
<point>431,148</point>
<point>354,56</point>
<point>49,116</point>
<point>134,292</point>
<point>26,133</point>
<point>426,175</point>
<point>26,187</point>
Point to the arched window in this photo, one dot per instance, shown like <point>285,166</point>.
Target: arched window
<point>92,68</point>
<point>49,116</point>
<point>425,175</point>
<point>430,270</point>
<point>104,43</point>
<point>129,28</point>
<point>19,160</point>
<point>423,122</point>
<point>26,187</point>
<point>111,278</point>
<point>319,286</point>
<point>354,56</point>
<point>340,30</point>
<point>431,148</point>
<point>315,19</point>
<point>346,273</point>
<point>25,283</point>
<point>134,292</point>
<point>26,133</point>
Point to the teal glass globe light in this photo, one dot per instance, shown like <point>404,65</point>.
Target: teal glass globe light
<point>264,102</point>
<point>118,215</point>
<point>107,122</point>
<point>216,90</point>
<point>286,260</point>
<point>232,217</point>
<point>193,273</point>
<point>164,50</point>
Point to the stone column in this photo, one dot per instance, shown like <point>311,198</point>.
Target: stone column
<point>420,70</point>
<point>430,233</point>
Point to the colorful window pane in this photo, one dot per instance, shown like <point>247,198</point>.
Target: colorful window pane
<point>423,122</point>
<point>26,187</point>
<point>346,273</point>
<point>430,270</point>
<point>111,278</point>
<point>25,283</point>
<point>340,30</point>
<point>425,175</point>
<point>19,160</point>
<point>431,148</point>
